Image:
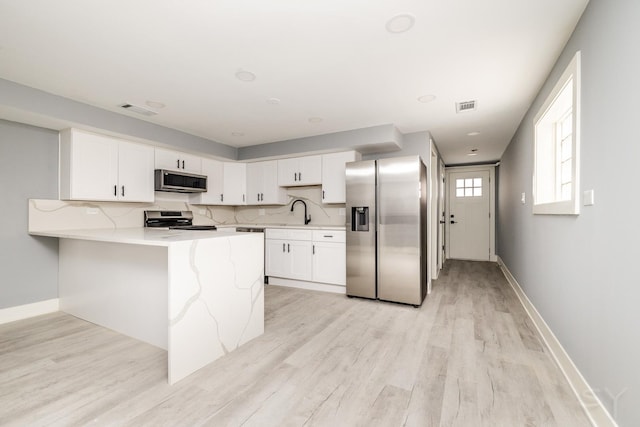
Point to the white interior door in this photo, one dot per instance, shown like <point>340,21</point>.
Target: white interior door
<point>469,219</point>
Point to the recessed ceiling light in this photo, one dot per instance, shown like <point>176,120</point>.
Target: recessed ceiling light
<point>472,154</point>
<point>426,98</point>
<point>273,101</point>
<point>155,104</point>
<point>474,133</point>
<point>400,23</point>
<point>245,76</point>
<point>315,119</point>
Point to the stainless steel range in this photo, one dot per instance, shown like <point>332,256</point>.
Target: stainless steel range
<point>173,220</point>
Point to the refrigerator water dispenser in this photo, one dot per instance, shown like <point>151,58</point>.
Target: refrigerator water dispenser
<point>360,221</point>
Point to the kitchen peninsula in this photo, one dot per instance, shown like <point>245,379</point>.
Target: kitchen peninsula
<point>197,294</point>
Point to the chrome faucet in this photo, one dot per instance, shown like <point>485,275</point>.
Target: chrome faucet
<point>307,220</point>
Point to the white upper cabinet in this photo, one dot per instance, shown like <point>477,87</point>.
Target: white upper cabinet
<point>333,178</point>
<point>214,171</point>
<point>226,184</point>
<point>177,161</point>
<point>98,167</point>
<point>262,184</point>
<point>234,184</point>
<point>135,172</point>
<point>299,171</point>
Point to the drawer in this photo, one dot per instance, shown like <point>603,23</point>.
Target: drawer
<point>338,236</point>
<point>288,234</point>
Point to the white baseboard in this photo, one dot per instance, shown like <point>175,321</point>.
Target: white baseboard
<point>312,286</point>
<point>592,405</point>
<point>25,311</point>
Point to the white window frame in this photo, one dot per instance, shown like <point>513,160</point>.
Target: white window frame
<point>559,207</point>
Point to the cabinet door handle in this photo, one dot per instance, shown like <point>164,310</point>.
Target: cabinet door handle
<point>288,248</point>
<point>328,235</point>
<point>243,198</point>
<point>299,176</point>
<point>222,197</point>
<point>178,165</point>
<point>123,191</point>
<point>183,164</point>
<point>115,190</point>
<point>283,247</point>
<point>295,176</point>
<point>322,194</point>
<point>262,197</point>
<point>313,249</point>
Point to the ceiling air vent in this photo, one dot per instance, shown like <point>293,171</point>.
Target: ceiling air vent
<point>463,106</point>
<point>138,110</point>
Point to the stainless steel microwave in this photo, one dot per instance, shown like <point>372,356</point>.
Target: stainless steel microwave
<point>179,182</point>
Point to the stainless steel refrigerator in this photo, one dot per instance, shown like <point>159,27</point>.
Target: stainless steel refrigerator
<point>386,223</point>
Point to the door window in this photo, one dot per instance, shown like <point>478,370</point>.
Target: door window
<point>469,187</point>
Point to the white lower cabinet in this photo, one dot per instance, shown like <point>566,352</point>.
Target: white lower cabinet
<point>288,258</point>
<point>288,253</point>
<point>329,257</point>
<point>306,255</point>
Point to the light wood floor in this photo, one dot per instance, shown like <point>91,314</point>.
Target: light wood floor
<point>468,357</point>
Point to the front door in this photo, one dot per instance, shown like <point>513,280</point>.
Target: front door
<point>469,219</point>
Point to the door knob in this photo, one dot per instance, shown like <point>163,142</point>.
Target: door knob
<point>453,222</point>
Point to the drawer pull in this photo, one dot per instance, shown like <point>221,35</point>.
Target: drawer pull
<point>328,235</point>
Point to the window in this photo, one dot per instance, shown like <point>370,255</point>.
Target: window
<point>557,146</point>
<point>469,187</point>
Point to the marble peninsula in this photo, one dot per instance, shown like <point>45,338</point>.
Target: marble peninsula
<point>196,294</point>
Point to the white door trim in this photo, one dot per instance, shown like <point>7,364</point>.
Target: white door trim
<point>492,204</point>
<point>433,214</point>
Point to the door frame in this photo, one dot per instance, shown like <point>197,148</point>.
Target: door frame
<point>441,214</point>
<point>492,204</point>
<point>433,213</point>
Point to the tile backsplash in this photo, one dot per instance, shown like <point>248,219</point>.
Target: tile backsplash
<point>321,214</point>
<point>67,215</point>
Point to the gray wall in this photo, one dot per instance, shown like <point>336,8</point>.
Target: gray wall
<point>42,104</point>
<point>28,265</point>
<point>413,144</point>
<point>371,139</point>
<point>580,271</point>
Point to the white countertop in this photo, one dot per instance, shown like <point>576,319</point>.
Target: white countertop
<point>138,235</point>
<point>297,226</point>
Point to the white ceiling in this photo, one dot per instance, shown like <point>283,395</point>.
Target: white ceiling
<point>331,59</point>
